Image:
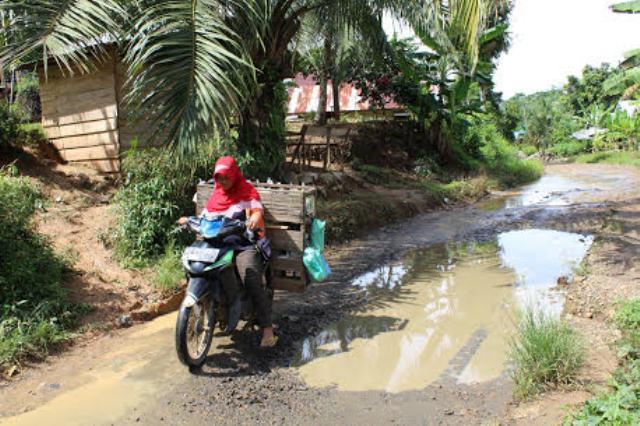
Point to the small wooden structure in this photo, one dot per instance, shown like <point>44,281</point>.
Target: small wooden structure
<point>83,114</point>
<point>288,210</point>
<point>320,142</point>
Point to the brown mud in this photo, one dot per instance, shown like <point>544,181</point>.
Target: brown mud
<point>133,376</point>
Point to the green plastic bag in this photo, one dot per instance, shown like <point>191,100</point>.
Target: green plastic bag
<point>316,264</point>
<point>317,234</point>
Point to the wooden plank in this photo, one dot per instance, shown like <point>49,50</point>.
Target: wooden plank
<point>58,86</point>
<point>83,141</point>
<point>100,152</point>
<point>84,128</point>
<point>292,264</point>
<point>292,241</point>
<point>291,285</point>
<point>111,165</point>
<point>61,119</point>
<point>77,99</point>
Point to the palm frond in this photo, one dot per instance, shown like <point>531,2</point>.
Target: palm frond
<point>70,32</point>
<point>627,7</point>
<point>188,69</point>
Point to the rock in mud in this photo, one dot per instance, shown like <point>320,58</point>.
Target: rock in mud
<point>124,321</point>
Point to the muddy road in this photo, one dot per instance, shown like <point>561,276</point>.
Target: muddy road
<point>413,328</point>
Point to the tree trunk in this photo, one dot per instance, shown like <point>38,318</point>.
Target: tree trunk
<point>335,86</point>
<point>325,71</point>
<point>261,141</point>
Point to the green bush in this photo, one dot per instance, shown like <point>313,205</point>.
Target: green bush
<point>28,95</point>
<point>570,148</point>
<point>30,134</point>
<point>495,154</point>
<point>156,191</point>
<point>545,351</point>
<point>169,274</point>
<point>10,119</point>
<point>34,311</point>
<point>501,160</point>
<point>528,149</point>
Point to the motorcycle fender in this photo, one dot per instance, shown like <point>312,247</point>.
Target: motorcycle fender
<point>197,288</point>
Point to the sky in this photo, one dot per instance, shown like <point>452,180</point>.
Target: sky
<point>552,39</point>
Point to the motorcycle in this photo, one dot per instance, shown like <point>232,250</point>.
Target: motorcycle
<point>213,287</point>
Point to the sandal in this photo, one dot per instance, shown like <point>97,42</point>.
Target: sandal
<point>270,343</point>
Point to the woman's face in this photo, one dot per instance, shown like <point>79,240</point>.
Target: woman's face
<point>224,182</point>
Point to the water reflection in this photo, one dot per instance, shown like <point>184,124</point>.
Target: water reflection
<point>452,301</point>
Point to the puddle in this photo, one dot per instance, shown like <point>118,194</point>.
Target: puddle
<point>442,314</point>
<point>102,390</point>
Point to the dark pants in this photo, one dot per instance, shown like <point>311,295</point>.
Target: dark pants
<point>249,264</point>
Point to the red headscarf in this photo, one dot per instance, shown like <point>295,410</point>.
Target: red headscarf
<point>240,190</point>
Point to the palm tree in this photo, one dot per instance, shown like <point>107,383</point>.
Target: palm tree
<point>328,35</point>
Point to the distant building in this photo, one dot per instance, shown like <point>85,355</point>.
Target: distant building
<point>586,134</point>
<point>304,95</point>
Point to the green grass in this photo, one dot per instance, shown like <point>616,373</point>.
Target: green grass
<point>511,172</point>
<point>528,149</point>
<point>545,352</point>
<point>169,275</point>
<point>620,404</point>
<point>35,312</point>
<point>631,158</point>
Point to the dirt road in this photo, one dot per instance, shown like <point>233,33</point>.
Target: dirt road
<point>396,333</point>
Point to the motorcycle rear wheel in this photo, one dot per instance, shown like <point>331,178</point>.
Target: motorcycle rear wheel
<point>194,332</point>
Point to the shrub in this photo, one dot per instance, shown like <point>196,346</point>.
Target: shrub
<point>501,161</point>
<point>10,119</point>
<point>30,134</point>
<point>156,191</point>
<point>169,274</point>
<point>34,311</point>
<point>571,148</point>
<point>545,351</point>
<point>28,95</point>
<point>528,149</point>
<point>495,154</point>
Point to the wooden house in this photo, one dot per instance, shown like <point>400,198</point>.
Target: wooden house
<point>83,114</point>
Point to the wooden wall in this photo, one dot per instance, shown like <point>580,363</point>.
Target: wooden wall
<point>80,116</point>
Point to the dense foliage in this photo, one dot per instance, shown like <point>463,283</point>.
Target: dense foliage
<point>156,191</point>
<point>34,311</point>
<point>9,124</point>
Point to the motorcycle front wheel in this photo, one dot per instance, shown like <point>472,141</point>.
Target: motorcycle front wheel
<point>194,332</point>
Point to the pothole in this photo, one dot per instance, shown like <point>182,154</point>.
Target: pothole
<point>445,313</point>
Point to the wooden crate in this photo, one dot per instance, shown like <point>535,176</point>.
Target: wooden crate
<point>288,212</point>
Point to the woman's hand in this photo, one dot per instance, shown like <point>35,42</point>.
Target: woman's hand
<point>252,223</point>
<point>182,221</point>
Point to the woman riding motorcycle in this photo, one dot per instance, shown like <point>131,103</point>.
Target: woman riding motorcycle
<point>236,198</point>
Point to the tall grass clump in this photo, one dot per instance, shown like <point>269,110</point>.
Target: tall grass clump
<point>168,271</point>
<point>34,310</point>
<point>545,352</point>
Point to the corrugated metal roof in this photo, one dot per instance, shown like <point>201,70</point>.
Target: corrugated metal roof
<point>304,97</point>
